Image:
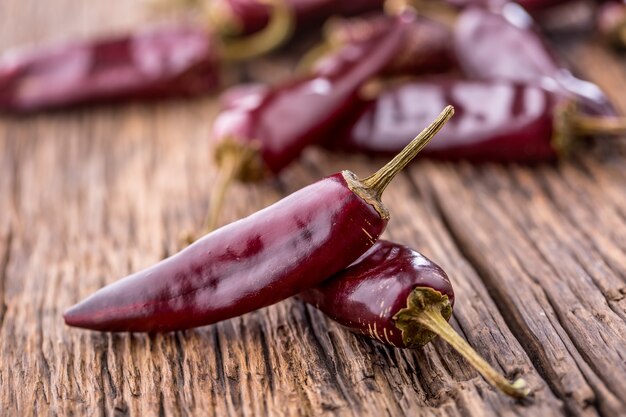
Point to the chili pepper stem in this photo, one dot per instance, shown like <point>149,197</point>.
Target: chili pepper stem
<point>378,181</point>
<point>437,11</point>
<point>593,125</point>
<point>231,164</point>
<point>278,29</point>
<point>426,315</point>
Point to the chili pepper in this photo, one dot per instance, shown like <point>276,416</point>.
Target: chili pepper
<point>399,297</point>
<point>426,49</point>
<point>159,63</point>
<point>611,22</point>
<point>274,254</point>
<point>521,123</point>
<point>268,130</point>
<point>522,55</point>
<point>506,46</point>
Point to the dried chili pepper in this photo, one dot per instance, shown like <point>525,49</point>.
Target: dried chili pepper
<point>274,254</point>
<point>522,56</point>
<point>159,63</point>
<point>521,123</point>
<point>267,130</point>
<point>399,297</point>
<point>506,46</point>
<point>427,47</point>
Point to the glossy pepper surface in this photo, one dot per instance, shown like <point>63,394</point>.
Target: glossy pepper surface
<point>397,296</point>
<point>157,63</point>
<point>163,62</point>
<point>427,47</point>
<point>522,123</point>
<point>506,46</point>
<point>268,130</point>
<point>292,245</point>
<point>367,295</point>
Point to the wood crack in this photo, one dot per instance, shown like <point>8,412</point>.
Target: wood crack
<point>5,259</point>
<point>519,332</point>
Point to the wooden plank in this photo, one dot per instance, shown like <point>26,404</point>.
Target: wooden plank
<point>87,196</point>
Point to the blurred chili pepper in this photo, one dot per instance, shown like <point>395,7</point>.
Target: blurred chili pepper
<point>521,123</point>
<point>522,56</point>
<point>399,297</point>
<point>506,46</point>
<point>427,47</point>
<point>265,131</point>
<point>274,254</point>
<point>159,63</point>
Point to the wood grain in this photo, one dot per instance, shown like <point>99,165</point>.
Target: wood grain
<point>536,255</point>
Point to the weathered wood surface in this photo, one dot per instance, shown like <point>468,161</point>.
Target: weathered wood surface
<point>537,256</point>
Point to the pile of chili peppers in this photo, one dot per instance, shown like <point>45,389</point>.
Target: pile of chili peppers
<point>372,82</point>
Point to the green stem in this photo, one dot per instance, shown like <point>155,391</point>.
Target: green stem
<point>426,315</point>
<point>278,30</point>
<point>584,124</point>
<point>378,181</point>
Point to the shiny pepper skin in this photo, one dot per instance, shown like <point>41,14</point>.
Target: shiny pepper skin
<point>252,15</point>
<point>367,295</point>
<point>518,124</point>
<point>506,46</point>
<point>427,47</point>
<point>283,120</point>
<point>276,253</point>
<point>163,62</point>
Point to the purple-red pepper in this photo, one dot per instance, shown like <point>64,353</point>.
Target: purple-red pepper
<point>521,123</point>
<point>276,253</point>
<point>427,47</point>
<point>153,64</point>
<point>263,132</point>
<point>399,297</point>
<point>160,63</point>
<point>506,46</point>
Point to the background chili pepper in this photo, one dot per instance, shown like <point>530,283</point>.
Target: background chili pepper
<point>145,65</point>
<point>498,46</point>
<point>269,129</point>
<point>522,123</point>
<point>158,63</point>
<point>397,296</point>
<point>427,47</point>
<point>257,261</point>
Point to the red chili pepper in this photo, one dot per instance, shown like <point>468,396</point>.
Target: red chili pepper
<point>276,253</point>
<point>397,296</point>
<point>268,130</point>
<point>427,47</point>
<point>506,46</point>
<point>522,123</point>
<point>160,63</point>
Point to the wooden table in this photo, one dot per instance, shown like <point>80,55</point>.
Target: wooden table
<point>537,256</point>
